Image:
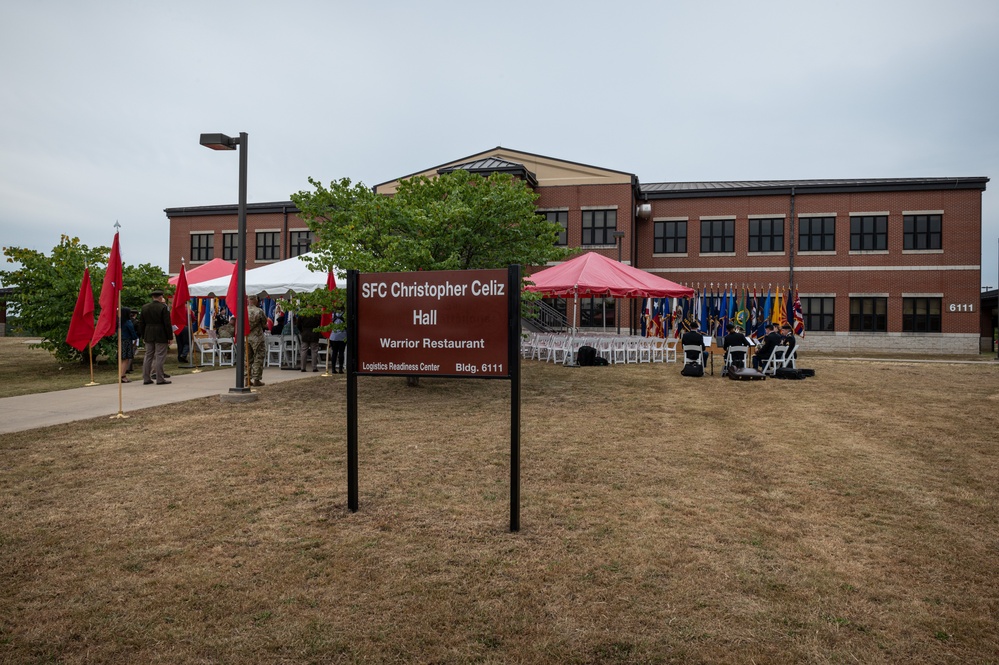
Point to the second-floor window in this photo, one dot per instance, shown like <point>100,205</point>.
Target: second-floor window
<point>202,247</point>
<point>670,237</point>
<point>922,231</point>
<point>230,246</point>
<point>560,217</point>
<point>598,227</point>
<point>268,245</point>
<point>817,234</point>
<point>766,235</point>
<point>717,236</point>
<point>300,242</point>
<point>868,232</point>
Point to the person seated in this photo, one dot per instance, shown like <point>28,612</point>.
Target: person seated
<point>229,329</point>
<point>279,321</point>
<point>771,340</point>
<point>694,337</point>
<point>735,337</point>
<point>789,340</point>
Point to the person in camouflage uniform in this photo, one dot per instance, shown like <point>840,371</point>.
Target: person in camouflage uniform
<point>255,340</point>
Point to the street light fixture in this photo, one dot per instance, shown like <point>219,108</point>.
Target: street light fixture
<point>223,142</point>
<point>618,235</point>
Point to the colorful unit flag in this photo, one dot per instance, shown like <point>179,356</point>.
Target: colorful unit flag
<point>799,318</point>
<point>232,301</point>
<point>81,326</point>
<point>107,322</point>
<point>327,317</point>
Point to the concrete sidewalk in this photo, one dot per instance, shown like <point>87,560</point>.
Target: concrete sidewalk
<point>64,406</point>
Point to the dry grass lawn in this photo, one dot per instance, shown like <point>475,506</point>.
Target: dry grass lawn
<point>848,518</point>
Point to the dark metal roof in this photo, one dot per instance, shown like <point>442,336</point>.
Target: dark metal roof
<point>522,152</point>
<point>232,209</point>
<point>678,190</point>
<point>494,165</point>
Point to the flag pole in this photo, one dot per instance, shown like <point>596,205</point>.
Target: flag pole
<point>121,414</point>
<point>92,382</point>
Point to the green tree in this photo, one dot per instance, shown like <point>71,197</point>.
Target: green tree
<point>46,288</point>
<point>458,221</point>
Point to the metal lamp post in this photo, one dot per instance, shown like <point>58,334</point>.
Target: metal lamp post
<point>223,142</point>
<point>618,235</point>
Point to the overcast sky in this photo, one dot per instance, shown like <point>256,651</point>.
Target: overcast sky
<point>102,102</point>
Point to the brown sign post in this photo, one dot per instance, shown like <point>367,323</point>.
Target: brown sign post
<point>446,323</point>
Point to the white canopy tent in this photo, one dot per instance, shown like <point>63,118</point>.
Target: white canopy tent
<point>276,279</point>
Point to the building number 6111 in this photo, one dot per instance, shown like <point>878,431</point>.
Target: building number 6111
<point>954,307</point>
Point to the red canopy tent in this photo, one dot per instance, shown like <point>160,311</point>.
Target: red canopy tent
<point>211,270</point>
<point>593,274</point>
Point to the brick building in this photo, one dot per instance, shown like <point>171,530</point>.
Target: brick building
<point>880,264</point>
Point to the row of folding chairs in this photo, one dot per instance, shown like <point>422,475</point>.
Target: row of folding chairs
<point>563,349</point>
<point>778,358</point>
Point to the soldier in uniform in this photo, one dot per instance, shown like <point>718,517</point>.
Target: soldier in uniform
<point>256,351</point>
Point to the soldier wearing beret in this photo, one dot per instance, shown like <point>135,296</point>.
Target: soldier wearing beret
<point>156,331</point>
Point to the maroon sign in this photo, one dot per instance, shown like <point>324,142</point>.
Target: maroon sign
<point>439,323</point>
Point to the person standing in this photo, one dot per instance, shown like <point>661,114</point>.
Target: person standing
<point>156,331</point>
<point>129,338</point>
<point>310,341</point>
<point>255,347</point>
<point>338,343</point>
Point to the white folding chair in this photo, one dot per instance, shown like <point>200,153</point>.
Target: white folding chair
<point>206,347</point>
<point>226,349</point>
<point>604,348</point>
<point>631,351</point>
<point>619,352</point>
<point>657,349</point>
<point>527,344</point>
<point>671,350</point>
<point>775,360</point>
<point>558,349</point>
<point>289,350</point>
<point>273,343</point>
<point>698,358</point>
<point>324,347</point>
<point>541,347</point>
<point>790,359</point>
<point>730,356</point>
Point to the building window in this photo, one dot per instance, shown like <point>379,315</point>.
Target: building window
<point>670,237</point>
<point>598,225</point>
<point>230,246</point>
<point>921,231</point>
<point>868,315</point>
<point>202,247</point>
<point>817,234</point>
<point>560,217</point>
<point>717,236</point>
<point>268,246</point>
<point>868,232</point>
<point>301,241</point>
<point>921,315</point>
<point>818,313</point>
<point>596,312</point>
<point>766,235</point>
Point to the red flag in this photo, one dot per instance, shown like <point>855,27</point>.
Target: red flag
<point>81,326</point>
<point>107,322</point>
<point>327,317</point>
<point>232,302</point>
<point>178,309</point>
